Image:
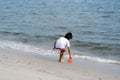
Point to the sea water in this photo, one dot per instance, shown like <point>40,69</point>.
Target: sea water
<point>34,26</point>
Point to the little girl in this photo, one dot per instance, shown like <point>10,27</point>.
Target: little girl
<point>62,44</point>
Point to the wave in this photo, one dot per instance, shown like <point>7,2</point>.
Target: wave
<point>47,36</point>
<point>44,52</point>
<point>13,33</point>
<point>27,48</point>
<point>27,36</point>
<point>96,46</point>
<point>97,59</point>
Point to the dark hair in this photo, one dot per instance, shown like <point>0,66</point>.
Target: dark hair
<point>68,35</point>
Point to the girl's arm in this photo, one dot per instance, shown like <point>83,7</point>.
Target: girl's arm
<point>69,51</point>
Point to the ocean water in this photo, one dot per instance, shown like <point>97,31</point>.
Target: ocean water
<point>34,25</point>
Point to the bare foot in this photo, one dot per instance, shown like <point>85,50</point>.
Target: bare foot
<point>62,61</point>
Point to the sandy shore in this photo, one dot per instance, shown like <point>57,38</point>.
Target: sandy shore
<point>18,65</point>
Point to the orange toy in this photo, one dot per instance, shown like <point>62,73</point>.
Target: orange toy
<point>69,59</point>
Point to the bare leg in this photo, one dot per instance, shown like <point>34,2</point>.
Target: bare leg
<point>62,54</point>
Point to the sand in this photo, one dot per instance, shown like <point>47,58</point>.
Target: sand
<point>19,65</point>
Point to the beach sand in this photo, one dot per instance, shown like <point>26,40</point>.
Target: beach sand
<point>18,65</point>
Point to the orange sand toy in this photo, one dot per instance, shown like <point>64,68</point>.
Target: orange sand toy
<point>70,60</point>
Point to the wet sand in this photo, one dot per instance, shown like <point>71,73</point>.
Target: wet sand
<point>18,65</point>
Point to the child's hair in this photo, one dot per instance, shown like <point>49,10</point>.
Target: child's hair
<point>68,35</point>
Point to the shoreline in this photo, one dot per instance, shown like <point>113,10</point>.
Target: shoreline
<point>17,65</point>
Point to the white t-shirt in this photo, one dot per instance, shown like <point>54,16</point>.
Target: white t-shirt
<point>62,43</point>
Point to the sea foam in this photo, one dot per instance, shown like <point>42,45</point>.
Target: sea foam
<point>97,59</point>
<point>24,47</point>
<point>44,52</point>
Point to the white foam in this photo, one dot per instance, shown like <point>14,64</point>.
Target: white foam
<point>97,59</point>
<point>34,49</point>
<point>25,47</point>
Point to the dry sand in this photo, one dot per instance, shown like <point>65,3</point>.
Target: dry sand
<point>18,65</point>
